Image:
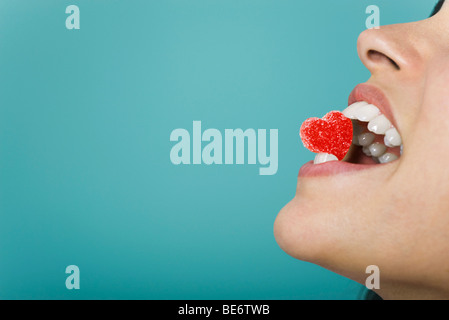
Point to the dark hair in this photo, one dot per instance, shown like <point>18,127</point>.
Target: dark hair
<point>437,8</point>
<point>369,295</point>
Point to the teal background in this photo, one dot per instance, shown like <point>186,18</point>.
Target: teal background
<point>85,120</point>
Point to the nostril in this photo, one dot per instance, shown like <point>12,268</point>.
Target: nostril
<point>379,57</point>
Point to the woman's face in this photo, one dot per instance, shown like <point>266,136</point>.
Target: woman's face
<point>395,215</point>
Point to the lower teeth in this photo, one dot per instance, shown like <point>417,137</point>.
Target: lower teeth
<point>387,157</point>
<point>324,157</point>
<point>377,150</point>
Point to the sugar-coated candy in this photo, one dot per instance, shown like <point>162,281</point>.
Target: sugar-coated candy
<point>332,134</point>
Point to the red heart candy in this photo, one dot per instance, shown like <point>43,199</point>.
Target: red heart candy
<point>332,134</point>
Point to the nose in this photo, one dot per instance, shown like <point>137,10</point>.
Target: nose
<point>390,49</point>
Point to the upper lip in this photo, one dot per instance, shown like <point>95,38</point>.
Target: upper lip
<point>372,95</point>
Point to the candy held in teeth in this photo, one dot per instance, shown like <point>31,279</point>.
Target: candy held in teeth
<point>331,135</point>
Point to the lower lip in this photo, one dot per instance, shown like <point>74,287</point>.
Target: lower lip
<point>332,168</point>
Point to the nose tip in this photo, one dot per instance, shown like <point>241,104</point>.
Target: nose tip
<point>377,52</point>
<point>402,50</point>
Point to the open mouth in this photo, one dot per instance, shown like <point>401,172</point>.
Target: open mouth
<point>375,138</point>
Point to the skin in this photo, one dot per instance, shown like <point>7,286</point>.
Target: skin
<point>395,216</point>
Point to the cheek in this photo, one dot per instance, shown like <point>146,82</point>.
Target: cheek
<point>437,81</point>
<point>426,141</point>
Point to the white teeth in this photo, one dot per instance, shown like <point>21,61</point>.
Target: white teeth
<point>366,112</point>
<point>324,157</point>
<point>379,125</point>
<point>402,148</point>
<point>365,139</point>
<point>366,151</point>
<point>349,112</point>
<point>377,149</point>
<point>392,138</point>
<point>387,157</point>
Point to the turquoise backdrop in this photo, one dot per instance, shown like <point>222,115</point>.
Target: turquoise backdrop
<point>85,121</point>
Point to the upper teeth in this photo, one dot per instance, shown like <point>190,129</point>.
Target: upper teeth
<point>366,112</point>
<point>392,138</point>
<point>377,124</point>
<point>350,111</point>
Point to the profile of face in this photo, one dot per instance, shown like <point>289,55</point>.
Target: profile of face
<point>348,215</point>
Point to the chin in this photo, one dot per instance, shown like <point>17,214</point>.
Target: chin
<point>332,231</point>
